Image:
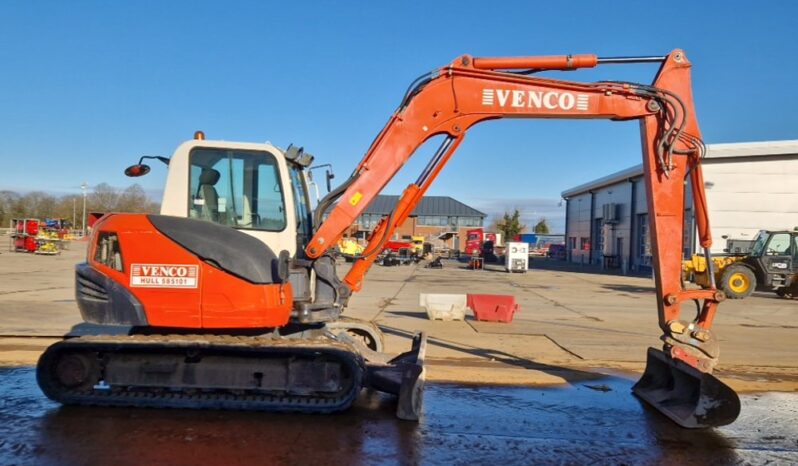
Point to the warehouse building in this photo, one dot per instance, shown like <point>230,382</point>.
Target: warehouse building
<point>441,220</point>
<point>749,186</point>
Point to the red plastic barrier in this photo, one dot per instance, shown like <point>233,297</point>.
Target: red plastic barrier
<point>493,307</point>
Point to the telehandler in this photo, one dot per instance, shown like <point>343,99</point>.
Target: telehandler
<point>770,265</point>
<point>232,296</point>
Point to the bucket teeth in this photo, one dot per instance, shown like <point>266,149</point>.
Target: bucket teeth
<point>689,397</point>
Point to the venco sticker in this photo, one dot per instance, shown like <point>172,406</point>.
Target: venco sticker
<point>163,275</point>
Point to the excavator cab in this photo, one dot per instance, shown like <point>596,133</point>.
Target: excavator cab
<point>250,187</point>
<point>262,191</point>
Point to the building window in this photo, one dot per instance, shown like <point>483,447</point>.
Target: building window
<point>598,237</point>
<point>469,221</point>
<point>368,221</point>
<point>449,221</point>
<point>643,240</point>
<point>572,242</point>
<point>687,243</point>
<point>584,244</point>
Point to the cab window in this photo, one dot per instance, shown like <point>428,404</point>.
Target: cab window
<point>237,188</point>
<point>301,205</point>
<point>779,244</point>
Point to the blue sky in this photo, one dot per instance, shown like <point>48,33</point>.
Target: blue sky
<point>87,87</point>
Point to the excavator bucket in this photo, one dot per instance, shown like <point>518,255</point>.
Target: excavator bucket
<point>689,397</point>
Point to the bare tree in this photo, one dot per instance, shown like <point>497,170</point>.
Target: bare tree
<point>134,199</point>
<point>10,207</point>
<point>38,204</point>
<point>104,198</point>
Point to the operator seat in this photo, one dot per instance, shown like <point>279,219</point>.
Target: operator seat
<point>207,192</point>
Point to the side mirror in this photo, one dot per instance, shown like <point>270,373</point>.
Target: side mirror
<point>139,169</point>
<point>328,174</point>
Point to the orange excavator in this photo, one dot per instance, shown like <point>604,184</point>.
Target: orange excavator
<point>231,298</point>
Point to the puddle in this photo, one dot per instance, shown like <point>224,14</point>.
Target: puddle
<point>597,424</point>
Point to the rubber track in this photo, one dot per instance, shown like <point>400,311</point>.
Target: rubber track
<point>221,399</point>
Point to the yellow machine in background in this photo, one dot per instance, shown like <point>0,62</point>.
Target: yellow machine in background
<point>736,281</point>
<point>418,244</point>
<point>349,249</point>
<point>769,264</point>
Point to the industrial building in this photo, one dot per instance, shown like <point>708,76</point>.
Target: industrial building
<point>439,219</point>
<point>750,186</point>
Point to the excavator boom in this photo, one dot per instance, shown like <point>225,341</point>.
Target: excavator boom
<point>452,99</point>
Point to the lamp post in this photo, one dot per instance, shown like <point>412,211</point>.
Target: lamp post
<point>83,188</point>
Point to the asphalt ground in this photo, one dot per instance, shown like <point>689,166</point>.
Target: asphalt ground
<point>550,387</point>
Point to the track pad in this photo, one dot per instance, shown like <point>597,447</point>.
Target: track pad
<point>689,397</point>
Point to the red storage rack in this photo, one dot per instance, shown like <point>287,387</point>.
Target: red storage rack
<point>32,227</point>
<point>493,307</point>
<point>23,234</point>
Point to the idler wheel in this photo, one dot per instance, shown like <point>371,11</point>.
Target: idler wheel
<point>73,370</point>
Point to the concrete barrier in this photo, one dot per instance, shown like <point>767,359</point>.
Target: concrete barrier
<point>443,306</point>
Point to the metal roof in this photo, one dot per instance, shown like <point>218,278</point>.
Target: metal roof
<point>752,149</point>
<point>429,205</point>
<point>623,175</point>
<point>714,151</point>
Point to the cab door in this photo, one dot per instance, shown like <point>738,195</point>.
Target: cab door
<point>794,267</point>
<point>777,258</point>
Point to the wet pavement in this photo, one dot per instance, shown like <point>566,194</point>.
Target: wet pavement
<point>598,422</point>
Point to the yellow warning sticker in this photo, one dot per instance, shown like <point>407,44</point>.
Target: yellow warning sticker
<point>356,198</point>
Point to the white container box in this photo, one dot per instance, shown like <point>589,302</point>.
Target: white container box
<point>516,257</point>
<point>443,306</point>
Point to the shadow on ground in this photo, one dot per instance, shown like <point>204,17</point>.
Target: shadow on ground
<point>572,376</point>
<point>629,288</point>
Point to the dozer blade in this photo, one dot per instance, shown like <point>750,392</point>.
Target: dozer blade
<point>689,397</point>
<point>402,376</point>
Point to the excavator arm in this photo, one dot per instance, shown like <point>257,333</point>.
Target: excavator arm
<point>470,90</point>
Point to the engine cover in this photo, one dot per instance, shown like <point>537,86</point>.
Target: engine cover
<point>193,274</point>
